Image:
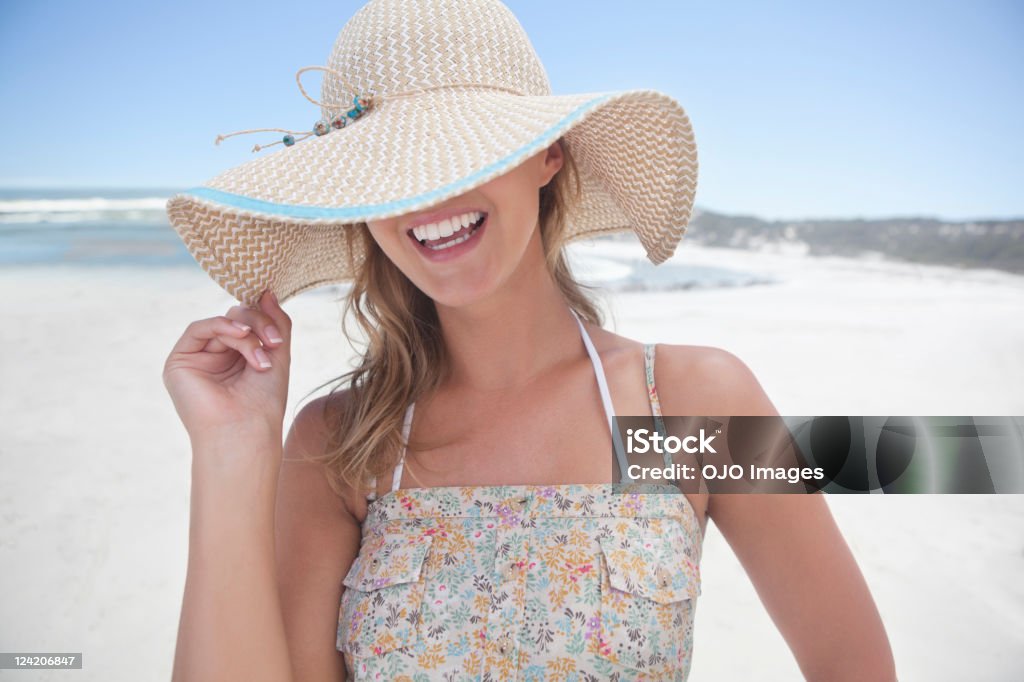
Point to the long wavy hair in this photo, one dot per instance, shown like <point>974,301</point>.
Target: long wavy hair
<point>404,356</point>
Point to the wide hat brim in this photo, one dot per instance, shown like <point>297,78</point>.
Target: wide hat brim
<point>284,221</point>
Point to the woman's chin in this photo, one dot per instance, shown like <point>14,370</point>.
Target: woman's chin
<point>457,300</point>
<point>459,293</point>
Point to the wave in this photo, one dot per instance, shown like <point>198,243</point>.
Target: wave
<point>82,209</point>
<point>625,271</point>
<point>90,204</point>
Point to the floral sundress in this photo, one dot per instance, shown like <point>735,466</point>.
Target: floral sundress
<point>574,582</point>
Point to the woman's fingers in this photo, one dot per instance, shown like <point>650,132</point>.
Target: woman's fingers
<point>197,334</point>
<point>249,347</point>
<point>272,330</point>
<point>272,308</point>
<point>215,334</point>
<point>253,332</point>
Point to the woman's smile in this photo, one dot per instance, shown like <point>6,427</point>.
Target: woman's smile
<point>452,246</point>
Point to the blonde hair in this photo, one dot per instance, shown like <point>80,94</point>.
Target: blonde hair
<point>405,356</point>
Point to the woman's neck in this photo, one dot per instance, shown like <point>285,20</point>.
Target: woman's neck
<point>511,337</point>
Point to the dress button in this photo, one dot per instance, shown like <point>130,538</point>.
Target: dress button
<point>663,577</point>
<point>504,643</point>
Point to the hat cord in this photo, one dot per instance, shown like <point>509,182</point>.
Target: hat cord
<point>361,104</point>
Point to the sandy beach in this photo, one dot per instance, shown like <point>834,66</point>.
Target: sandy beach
<point>96,464</point>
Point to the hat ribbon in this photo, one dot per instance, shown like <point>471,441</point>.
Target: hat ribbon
<point>361,103</point>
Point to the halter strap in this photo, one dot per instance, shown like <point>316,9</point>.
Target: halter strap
<point>606,397</point>
<point>606,402</point>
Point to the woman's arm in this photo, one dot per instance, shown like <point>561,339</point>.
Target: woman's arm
<point>809,582</point>
<point>318,538</point>
<point>228,379</point>
<point>265,570</point>
<point>788,544</point>
<point>231,626</point>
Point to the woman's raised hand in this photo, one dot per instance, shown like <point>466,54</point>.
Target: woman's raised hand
<point>228,375</point>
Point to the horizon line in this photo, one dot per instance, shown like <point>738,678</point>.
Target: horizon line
<point>698,208</point>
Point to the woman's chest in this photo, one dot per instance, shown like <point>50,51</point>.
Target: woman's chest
<point>524,587</point>
<point>553,431</point>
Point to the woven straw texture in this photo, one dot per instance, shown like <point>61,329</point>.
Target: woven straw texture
<point>287,220</point>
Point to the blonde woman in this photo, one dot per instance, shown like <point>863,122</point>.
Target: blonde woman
<point>450,513</point>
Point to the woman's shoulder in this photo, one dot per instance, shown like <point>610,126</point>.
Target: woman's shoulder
<point>693,379</point>
<point>311,428</point>
<point>673,358</point>
<point>721,382</point>
<point>309,441</point>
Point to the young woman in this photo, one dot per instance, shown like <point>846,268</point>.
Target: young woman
<point>450,513</point>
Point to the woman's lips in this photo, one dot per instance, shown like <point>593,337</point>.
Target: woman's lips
<point>451,252</point>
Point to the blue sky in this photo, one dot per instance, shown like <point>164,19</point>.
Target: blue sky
<point>800,109</point>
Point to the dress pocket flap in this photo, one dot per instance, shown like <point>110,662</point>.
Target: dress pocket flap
<point>388,559</point>
<point>652,566</point>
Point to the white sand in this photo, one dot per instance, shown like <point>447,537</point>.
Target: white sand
<point>96,464</point>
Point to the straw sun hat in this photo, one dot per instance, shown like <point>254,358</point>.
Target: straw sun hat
<point>422,101</point>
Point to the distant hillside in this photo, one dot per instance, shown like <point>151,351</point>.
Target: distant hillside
<point>995,244</point>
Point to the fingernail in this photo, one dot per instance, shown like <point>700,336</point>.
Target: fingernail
<point>261,356</point>
<point>273,334</point>
<point>243,327</point>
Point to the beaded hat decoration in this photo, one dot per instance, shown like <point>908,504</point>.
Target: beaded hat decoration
<point>421,102</point>
<point>360,104</point>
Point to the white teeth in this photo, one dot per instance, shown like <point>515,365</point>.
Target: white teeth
<point>447,227</point>
<point>448,245</point>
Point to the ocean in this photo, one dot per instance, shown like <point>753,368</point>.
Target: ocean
<point>129,227</point>
<point>88,228</point>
